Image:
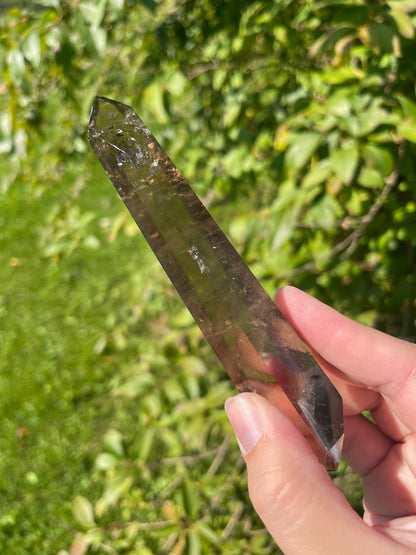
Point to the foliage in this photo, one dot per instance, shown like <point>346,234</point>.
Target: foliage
<point>311,99</point>
<point>296,122</point>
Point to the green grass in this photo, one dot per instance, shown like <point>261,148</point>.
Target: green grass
<point>56,364</point>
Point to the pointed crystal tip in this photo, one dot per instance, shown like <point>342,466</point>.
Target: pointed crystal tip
<point>333,456</point>
<point>104,113</point>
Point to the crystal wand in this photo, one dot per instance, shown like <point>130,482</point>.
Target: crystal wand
<point>257,346</point>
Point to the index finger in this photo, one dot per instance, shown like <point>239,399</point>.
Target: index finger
<point>369,357</point>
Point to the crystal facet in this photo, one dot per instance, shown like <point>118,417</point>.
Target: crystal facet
<point>255,343</point>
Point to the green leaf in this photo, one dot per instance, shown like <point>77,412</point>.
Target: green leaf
<point>83,511</point>
<point>117,4</point>
<point>303,145</point>
<point>17,68</point>
<point>32,478</point>
<point>370,178</point>
<point>93,12</point>
<point>91,242</point>
<point>220,76</point>
<point>230,114</point>
<point>193,543</point>
<point>194,366</point>
<point>403,5</point>
<point>370,117</point>
<point>318,174</point>
<point>237,161</point>
<point>207,532</point>
<point>136,385</point>
<point>341,75</point>
<point>51,3</point>
<point>177,83</point>
<point>344,163</point>
<point>146,444</point>
<point>341,3</point>
<point>407,130</point>
<point>192,386</point>
<point>324,212</point>
<point>284,230</point>
<point>381,36</point>
<point>408,106</point>
<point>190,497</point>
<point>403,23</point>
<point>381,137</point>
<point>355,204</point>
<point>99,38</point>
<point>340,104</point>
<point>114,490</point>
<point>173,390</point>
<point>327,41</point>
<point>104,461</point>
<point>153,98</point>
<point>31,48</point>
<point>113,441</point>
<point>378,158</point>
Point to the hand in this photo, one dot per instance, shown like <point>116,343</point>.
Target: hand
<point>292,493</point>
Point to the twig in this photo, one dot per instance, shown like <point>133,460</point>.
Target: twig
<point>107,548</point>
<point>350,243</point>
<point>219,453</point>
<point>142,525</point>
<point>187,459</point>
<point>391,181</point>
<point>156,525</point>
<point>219,457</point>
<point>216,501</point>
<point>170,542</point>
<point>172,486</point>
<point>345,223</point>
<point>235,518</point>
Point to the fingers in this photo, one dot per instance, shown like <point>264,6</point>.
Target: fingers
<point>365,445</point>
<point>390,488</point>
<point>291,491</point>
<point>369,357</point>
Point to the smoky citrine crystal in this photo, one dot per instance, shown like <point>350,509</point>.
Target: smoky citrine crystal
<point>255,343</point>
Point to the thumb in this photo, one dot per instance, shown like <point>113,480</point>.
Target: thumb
<point>291,491</point>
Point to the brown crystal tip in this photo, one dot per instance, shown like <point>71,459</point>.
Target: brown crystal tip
<point>255,343</point>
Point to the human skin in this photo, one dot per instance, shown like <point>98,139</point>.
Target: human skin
<point>290,490</point>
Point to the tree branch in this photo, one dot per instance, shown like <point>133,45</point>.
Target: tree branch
<point>390,182</point>
<point>350,243</point>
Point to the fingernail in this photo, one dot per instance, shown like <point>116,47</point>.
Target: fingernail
<point>245,420</point>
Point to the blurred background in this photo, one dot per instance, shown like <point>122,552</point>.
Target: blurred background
<point>295,122</point>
